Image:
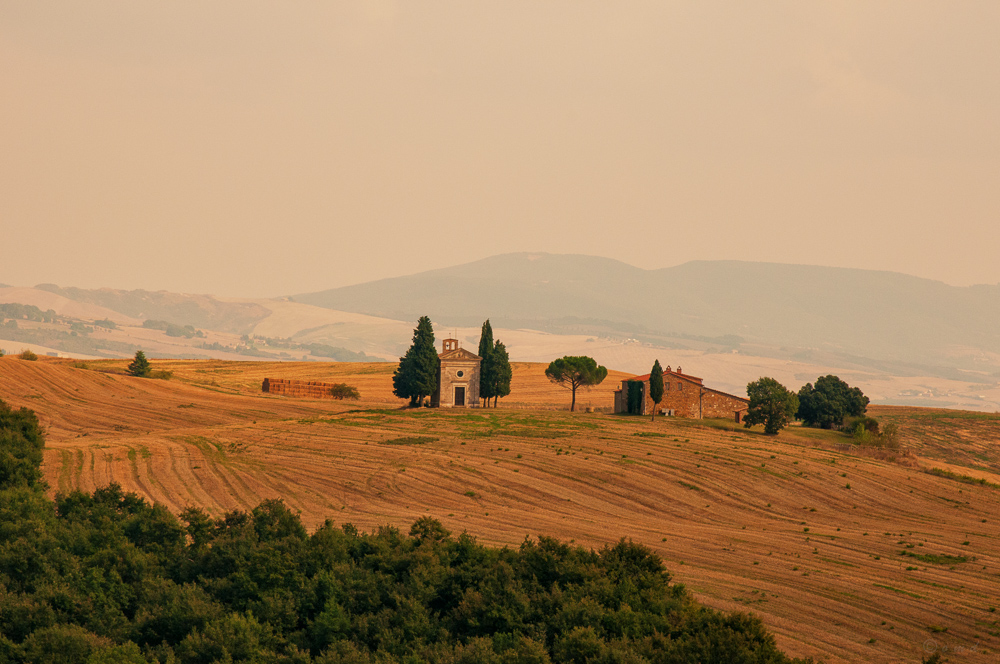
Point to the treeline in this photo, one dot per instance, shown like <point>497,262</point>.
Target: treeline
<point>73,341</point>
<point>15,311</point>
<point>107,577</point>
<point>173,329</point>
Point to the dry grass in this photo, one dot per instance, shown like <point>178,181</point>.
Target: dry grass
<point>748,522</point>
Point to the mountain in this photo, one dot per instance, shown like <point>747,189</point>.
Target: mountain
<point>869,317</point>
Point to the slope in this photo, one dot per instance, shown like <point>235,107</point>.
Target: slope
<point>844,555</point>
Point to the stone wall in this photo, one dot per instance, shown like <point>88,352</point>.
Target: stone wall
<point>449,379</point>
<point>679,395</point>
<point>687,397</point>
<point>297,388</point>
<point>720,404</point>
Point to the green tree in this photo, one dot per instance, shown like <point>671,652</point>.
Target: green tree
<point>656,386</point>
<point>771,404</point>
<point>139,366</point>
<point>487,368</point>
<point>502,373</point>
<point>828,402</point>
<point>573,372</point>
<point>21,444</point>
<point>416,375</point>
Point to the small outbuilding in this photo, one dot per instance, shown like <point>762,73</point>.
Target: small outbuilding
<point>458,377</point>
<point>683,396</point>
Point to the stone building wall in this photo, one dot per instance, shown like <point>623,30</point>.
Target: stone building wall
<point>686,397</point>
<point>449,380</point>
<point>720,404</point>
<point>679,395</point>
<point>458,370</point>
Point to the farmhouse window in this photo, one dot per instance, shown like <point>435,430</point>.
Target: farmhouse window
<point>680,386</point>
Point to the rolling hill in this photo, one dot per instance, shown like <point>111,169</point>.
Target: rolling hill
<point>882,320</point>
<point>846,554</point>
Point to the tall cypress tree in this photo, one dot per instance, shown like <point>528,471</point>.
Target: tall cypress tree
<point>502,372</point>
<point>486,367</point>
<point>656,386</point>
<point>416,375</point>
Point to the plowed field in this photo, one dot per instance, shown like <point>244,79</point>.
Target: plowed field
<point>845,556</point>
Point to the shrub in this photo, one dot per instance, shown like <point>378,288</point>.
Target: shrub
<point>106,323</point>
<point>344,391</point>
<point>27,355</point>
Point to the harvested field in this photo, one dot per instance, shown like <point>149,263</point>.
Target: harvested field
<point>846,555</point>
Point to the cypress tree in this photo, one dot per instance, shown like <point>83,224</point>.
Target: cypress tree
<point>416,375</point>
<point>486,367</point>
<point>656,386</point>
<point>139,366</point>
<point>502,372</point>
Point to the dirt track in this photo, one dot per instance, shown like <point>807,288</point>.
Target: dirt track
<point>748,522</point>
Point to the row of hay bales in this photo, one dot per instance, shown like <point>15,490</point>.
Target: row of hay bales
<point>298,388</point>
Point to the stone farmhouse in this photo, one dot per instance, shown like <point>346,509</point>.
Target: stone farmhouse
<point>458,377</point>
<point>683,396</point>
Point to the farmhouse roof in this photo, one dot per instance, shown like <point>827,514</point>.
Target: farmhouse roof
<point>666,372</point>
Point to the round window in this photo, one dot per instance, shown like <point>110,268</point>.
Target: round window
<point>460,374</point>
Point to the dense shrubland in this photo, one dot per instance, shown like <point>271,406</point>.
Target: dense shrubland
<point>107,577</point>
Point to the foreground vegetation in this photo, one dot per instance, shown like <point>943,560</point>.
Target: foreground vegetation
<point>107,577</point>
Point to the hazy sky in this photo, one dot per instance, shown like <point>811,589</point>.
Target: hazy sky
<point>265,148</point>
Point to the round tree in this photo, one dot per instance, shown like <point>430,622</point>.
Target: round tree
<point>771,404</point>
<point>828,402</point>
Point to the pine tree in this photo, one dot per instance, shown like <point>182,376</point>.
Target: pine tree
<point>502,372</point>
<point>574,372</point>
<point>139,366</point>
<point>486,367</point>
<point>656,386</point>
<point>416,375</point>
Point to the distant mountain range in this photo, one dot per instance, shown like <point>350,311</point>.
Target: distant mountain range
<point>869,318</point>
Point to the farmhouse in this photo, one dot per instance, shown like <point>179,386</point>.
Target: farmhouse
<point>683,396</point>
<point>458,377</point>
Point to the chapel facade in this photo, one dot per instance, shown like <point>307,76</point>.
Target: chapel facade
<point>458,377</point>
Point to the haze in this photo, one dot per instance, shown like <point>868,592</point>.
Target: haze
<point>259,149</point>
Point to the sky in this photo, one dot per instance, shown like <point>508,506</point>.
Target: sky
<point>259,149</point>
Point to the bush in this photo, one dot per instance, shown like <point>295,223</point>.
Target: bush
<point>106,323</point>
<point>344,391</point>
<point>27,355</point>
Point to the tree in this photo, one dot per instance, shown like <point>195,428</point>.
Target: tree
<point>139,366</point>
<point>771,404</point>
<point>573,372</point>
<point>487,368</point>
<point>416,375</point>
<point>21,444</point>
<point>656,386</point>
<point>502,373</point>
<point>828,402</point>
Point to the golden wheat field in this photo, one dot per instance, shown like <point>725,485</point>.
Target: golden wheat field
<point>846,555</point>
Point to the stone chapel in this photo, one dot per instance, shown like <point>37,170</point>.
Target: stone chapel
<point>458,377</point>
